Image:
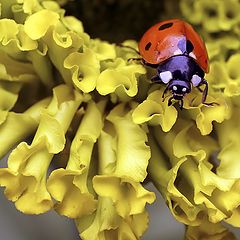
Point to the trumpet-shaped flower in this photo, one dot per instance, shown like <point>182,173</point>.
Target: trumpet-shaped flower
<point>70,186</point>
<point>188,181</point>
<point>25,177</point>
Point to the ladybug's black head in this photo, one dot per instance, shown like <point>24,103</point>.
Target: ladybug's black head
<point>179,88</point>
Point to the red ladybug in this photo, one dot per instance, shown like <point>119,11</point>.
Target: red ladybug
<point>180,56</point>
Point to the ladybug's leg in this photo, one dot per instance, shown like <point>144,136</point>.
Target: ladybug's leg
<point>205,91</point>
<point>181,104</point>
<point>170,101</point>
<point>199,89</point>
<point>163,95</point>
<point>156,79</point>
<point>135,59</point>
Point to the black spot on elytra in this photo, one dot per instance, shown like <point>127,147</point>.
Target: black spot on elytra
<point>189,47</point>
<point>164,26</point>
<point>148,45</point>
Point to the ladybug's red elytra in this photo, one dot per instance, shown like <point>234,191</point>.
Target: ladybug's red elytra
<point>179,55</point>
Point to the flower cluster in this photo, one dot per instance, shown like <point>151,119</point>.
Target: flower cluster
<point>80,105</point>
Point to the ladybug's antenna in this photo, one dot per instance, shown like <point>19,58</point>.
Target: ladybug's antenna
<point>129,47</point>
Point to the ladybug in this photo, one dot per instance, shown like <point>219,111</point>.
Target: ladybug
<point>179,54</point>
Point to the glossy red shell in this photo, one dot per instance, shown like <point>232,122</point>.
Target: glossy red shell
<point>160,42</point>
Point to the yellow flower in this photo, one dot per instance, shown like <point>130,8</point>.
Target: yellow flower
<point>125,169</point>
<point>185,175</point>
<point>25,176</point>
<point>70,186</point>
<point>214,16</point>
<point>37,25</point>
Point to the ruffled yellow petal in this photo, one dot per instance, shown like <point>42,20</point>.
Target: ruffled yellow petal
<point>29,6</point>
<point>164,176</point>
<point>214,16</point>
<point>228,14</point>
<point>156,112</point>
<point>61,44</point>
<point>85,69</point>
<point>190,11</point>
<point>73,23</point>
<point>38,23</point>
<point>206,115</point>
<point>119,78</point>
<point>14,39</point>
<point>104,50</point>
<point>218,76</point>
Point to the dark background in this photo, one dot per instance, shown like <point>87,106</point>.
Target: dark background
<point>116,21</point>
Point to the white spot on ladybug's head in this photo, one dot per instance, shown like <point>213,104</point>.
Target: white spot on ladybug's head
<point>174,88</point>
<point>177,52</point>
<point>196,80</point>
<point>166,76</point>
<point>191,54</point>
<point>184,89</point>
